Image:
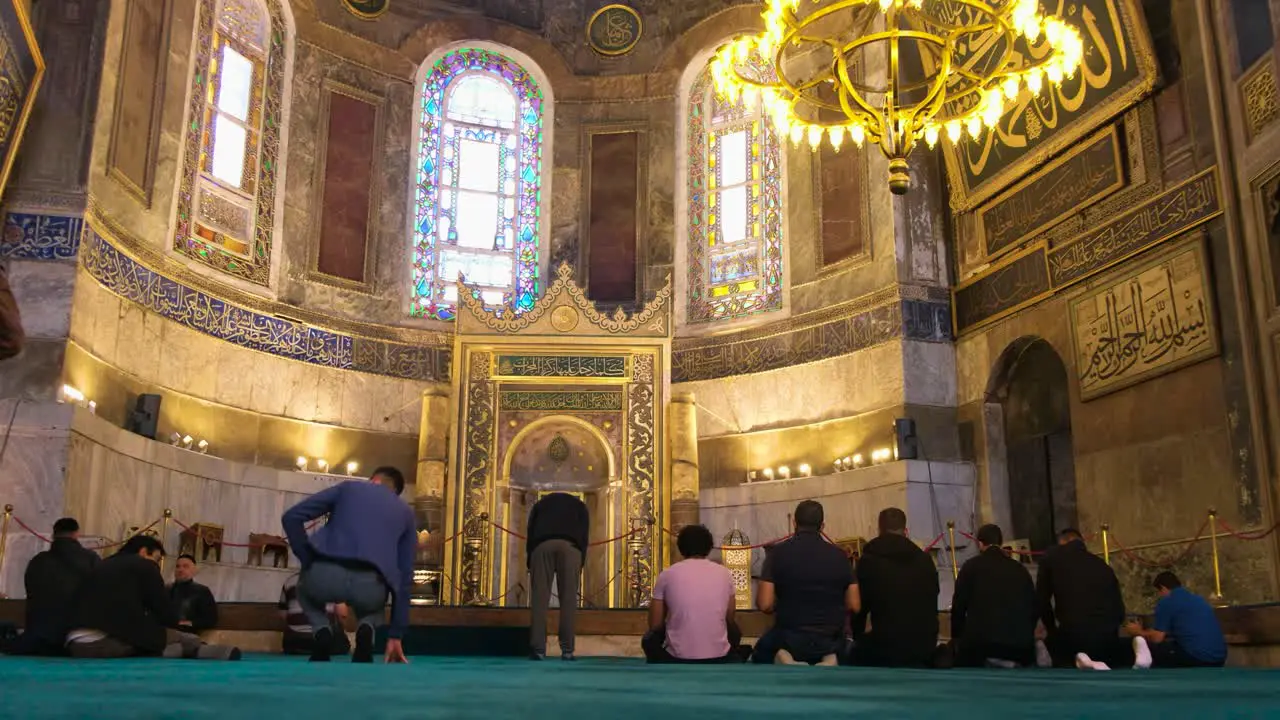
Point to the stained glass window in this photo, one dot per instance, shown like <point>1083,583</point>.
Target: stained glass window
<point>233,147</point>
<point>478,191</point>
<point>735,209</point>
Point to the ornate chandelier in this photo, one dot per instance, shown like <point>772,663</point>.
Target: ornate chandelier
<point>949,69</point>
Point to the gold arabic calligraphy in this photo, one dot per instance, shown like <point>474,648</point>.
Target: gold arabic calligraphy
<point>611,366</point>
<point>1151,321</point>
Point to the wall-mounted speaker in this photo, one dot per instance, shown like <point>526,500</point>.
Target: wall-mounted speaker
<point>908,444</point>
<point>145,416</point>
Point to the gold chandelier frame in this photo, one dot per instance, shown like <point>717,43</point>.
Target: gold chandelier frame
<point>952,98</point>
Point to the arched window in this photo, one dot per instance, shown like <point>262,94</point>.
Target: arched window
<point>478,193</point>
<point>735,208</point>
<point>226,203</point>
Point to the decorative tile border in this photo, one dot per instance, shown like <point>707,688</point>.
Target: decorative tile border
<point>31,236</point>
<point>898,318</point>
<point>241,326</point>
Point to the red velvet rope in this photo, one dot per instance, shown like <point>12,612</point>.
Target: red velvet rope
<point>1167,563</point>
<point>1249,536</point>
<point>1029,553</point>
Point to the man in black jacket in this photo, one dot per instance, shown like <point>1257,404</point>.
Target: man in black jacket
<point>900,595</point>
<point>1081,607</point>
<point>193,603</point>
<point>993,610</point>
<point>53,579</point>
<point>557,547</point>
<point>123,611</point>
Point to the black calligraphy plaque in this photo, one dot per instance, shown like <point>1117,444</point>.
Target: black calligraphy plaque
<point>1088,172</point>
<point>1020,281</point>
<point>1118,68</point>
<point>1172,213</point>
<point>560,401</point>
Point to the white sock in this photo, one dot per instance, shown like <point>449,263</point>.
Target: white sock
<point>1141,654</point>
<point>1084,662</point>
<point>1043,659</point>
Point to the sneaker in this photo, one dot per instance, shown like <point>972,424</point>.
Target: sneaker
<point>1043,658</point>
<point>829,660</point>
<point>1084,662</point>
<point>321,645</point>
<point>1001,664</point>
<point>1141,654</point>
<point>363,651</point>
<point>784,658</point>
<point>567,656</point>
<point>217,652</point>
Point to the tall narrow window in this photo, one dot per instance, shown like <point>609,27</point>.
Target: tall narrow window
<point>735,209</point>
<point>227,197</point>
<point>478,191</point>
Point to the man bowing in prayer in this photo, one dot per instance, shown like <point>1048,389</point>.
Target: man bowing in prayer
<point>362,554</point>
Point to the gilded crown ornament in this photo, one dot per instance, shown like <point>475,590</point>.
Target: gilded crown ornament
<point>948,68</point>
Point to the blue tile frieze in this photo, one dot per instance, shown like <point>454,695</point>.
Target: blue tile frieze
<point>31,236</point>
<point>247,328</point>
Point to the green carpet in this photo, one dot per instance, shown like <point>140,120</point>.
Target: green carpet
<point>610,689</point>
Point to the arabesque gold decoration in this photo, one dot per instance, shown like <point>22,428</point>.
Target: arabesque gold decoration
<point>951,66</point>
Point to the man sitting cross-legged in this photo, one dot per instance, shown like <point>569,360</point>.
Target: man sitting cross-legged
<point>124,611</point>
<point>691,613</point>
<point>1186,635</point>
<point>364,552</point>
<point>808,584</point>
<point>993,610</point>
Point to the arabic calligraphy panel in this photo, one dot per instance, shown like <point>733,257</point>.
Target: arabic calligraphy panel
<point>1022,280</point>
<point>577,366</point>
<point>40,237</point>
<point>1086,173</point>
<point>1170,214</point>
<point>1147,322</point>
<point>580,401</point>
<point>1118,68</point>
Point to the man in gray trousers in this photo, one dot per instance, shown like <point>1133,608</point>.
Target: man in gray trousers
<point>557,546</point>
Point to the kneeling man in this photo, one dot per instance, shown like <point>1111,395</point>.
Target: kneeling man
<point>808,584</point>
<point>691,612</point>
<point>363,553</point>
<point>1186,635</point>
<point>993,610</point>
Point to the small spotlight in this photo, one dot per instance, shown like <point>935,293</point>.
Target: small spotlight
<point>839,464</point>
<point>784,472</point>
<point>302,463</point>
<point>805,470</point>
<point>186,441</point>
<point>856,460</point>
<point>768,473</point>
<point>93,408</point>
<point>203,446</point>
<point>322,464</point>
<point>175,439</point>
<point>352,467</point>
<point>70,394</point>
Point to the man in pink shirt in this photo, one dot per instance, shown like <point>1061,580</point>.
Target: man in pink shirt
<point>691,613</point>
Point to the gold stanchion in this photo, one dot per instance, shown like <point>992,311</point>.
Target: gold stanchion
<point>164,535</point>
<point>4,535</point>
<point>951,532</point>
<point>1217,571</point>
<point>1106,547</point>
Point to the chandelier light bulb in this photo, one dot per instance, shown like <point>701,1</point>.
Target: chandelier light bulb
<point>884,5</point>
<point>1055,74</point>
<point>815,136</point>
<point>857,134</point>
<point>1011,87</point>
<point>931,135</point>
<point>974,127</point>
<point>836,133</point>
<point>797,132</point>
<point>1035,82</point>
<point>953,131</point>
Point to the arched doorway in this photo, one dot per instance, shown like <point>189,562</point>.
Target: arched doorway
<point>1030,392</point>
<point>560,453</point>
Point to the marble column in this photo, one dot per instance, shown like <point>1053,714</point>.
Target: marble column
<point>433,453</point>
<point>682,429</point>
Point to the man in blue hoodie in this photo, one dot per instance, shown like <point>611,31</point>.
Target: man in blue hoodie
<point>363,553</point>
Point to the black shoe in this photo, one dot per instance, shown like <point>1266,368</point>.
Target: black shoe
<point>363,651</point>
<point>234,654</point>
<point>321,645</point>
<point>567,657</point>
<point>535,655</point>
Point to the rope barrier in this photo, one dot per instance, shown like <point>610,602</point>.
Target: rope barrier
<point>1015,551</point>
<point>1247,535</point>
<point>739,547</point>
<point>28,529</point>
<point>934,542</point>
<point>1162,564</point>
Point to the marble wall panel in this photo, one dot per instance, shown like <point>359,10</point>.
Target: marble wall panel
<point>837,387</point>
<point>43,291</point>
<point>32,464</point>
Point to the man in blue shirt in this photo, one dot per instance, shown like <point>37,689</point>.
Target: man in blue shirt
<point>363,552</point>
<point>1186,634</point>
